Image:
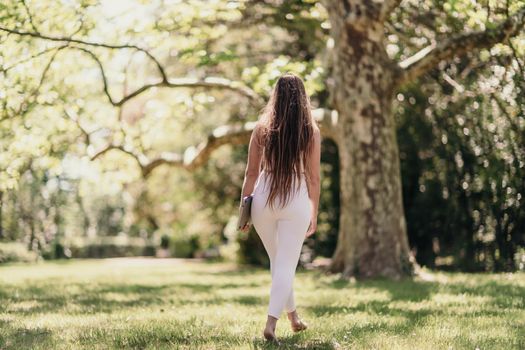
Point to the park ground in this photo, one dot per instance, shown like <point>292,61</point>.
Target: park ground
<point>145,303</point>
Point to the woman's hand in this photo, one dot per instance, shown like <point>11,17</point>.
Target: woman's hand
<point>246,227</point>
<point>312,228</point>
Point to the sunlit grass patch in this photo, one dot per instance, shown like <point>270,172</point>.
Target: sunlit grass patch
<point>168,303</point>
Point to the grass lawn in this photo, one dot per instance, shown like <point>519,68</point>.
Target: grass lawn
<point>171,303</point>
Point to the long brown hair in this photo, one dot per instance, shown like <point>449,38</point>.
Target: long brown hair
<point>287,129</point>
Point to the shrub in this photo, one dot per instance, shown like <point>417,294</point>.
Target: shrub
<point>56,250</point>
<point>165,241</point>
<point>251,250</point>
<point>16,252</point>
<point>184,246</point>
<point>109,247</point>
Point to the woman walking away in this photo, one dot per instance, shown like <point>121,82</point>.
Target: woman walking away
<point>283,174</point>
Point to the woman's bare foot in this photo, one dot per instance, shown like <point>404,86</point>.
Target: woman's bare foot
<point>297,324</point>
<point>269,330</point>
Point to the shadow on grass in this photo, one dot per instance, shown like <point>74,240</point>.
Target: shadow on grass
<point>23,338</point>
<point>502,298</point>
<point>412,318</point>
<point>406,289</point>
<point>34,298</point>
<point>83,298</point>
<point>413,290</point>
<point>502,294</point>
<point>295,342</point>
<point>49,297</point>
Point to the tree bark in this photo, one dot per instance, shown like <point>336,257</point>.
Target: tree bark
<point>372,233</point>
<point>372,238</point>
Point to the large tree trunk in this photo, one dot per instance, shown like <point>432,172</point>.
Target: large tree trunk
<point>372,238</point>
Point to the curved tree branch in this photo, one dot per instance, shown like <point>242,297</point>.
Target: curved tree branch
<point>90,43</point>
<point>209,82</point>
<point>195,156</point>
<point>429,57</point>
<point>141,159</point>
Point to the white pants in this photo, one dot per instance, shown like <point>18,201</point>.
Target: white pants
<point>282,232</point>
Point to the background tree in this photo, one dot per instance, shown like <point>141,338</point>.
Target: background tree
<point>132,92</point>
<point>372,239</point>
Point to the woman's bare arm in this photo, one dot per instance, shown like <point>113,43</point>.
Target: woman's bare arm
<point>313,176</point>
<point>253,164</point>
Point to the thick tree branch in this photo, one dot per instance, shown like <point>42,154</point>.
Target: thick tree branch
<point>195,156</point>
<point>429,57</point>
<point>208,82</point>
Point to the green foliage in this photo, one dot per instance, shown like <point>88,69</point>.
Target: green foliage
<point>106,247</point>
<point>324,241</point>
<point>55,111</point>
<point>109,218</point>
<point>16,252</point>
<point>460,131</point>
<point>463,165</point>
<point>56,250</point>
<point>264,79</point>
<point>165,241</point>
<point>251,249</point>
<point>184,246</point>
